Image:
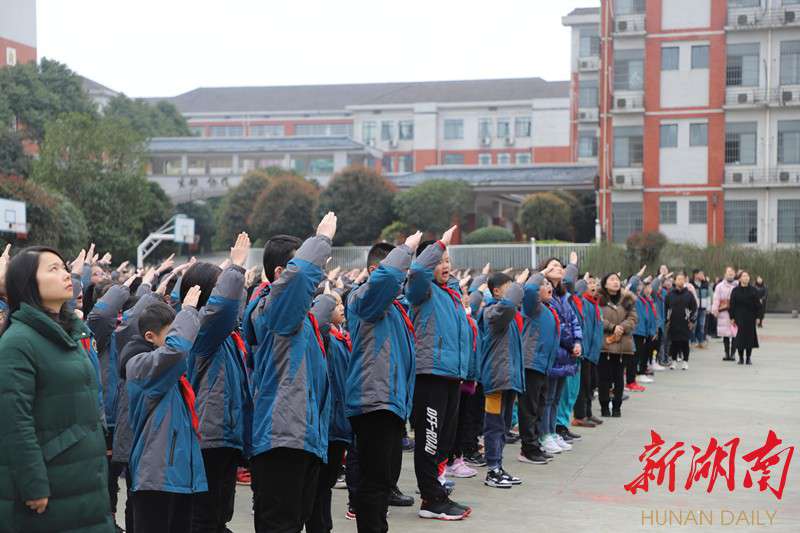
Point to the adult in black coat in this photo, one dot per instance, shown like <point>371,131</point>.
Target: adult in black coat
<point>744,310</point>
<point>680,308</point>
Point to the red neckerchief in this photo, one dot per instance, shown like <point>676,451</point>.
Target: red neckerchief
<point>266,284</point>
<point>188,398</point>
<point>555,315</point>
<point>239,342</point>
<point>652,305</point>
<point>406,319</point>
<point>578,303</point>
<point>453,294</point>
<point>86,342</point>
<point>518,320</point>
<point>593,300</point>
<point>343,336</point>
<point>474,333</point>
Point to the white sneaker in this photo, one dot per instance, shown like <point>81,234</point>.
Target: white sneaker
<point>644,379</point>
<point>550,445</point>
<point>686,365</point>
<point>673,366</point>
<point>564,445</point>
<point>680,358</point>
<point>657,368</point>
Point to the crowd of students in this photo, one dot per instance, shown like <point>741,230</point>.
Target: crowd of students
<point>179,376</point>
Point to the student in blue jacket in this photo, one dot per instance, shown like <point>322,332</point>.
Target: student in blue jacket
<point>291,396</point>
<point>592,343</point>
<point>219,378</point>
<point>166,464</point>
<point>443,346</point>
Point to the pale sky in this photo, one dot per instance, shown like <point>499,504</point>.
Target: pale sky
<point>166,47</point>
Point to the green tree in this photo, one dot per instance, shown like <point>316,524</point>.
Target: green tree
<point>433,205</point>
<point>488,235</point>
<point>362,201</point>
<point>545,216</point>
<point>98,164</point>
<point>396,232</point>
<point>161,119</point>
<point>287,206</point>
<point>237,206</point>
<point>13,159</point>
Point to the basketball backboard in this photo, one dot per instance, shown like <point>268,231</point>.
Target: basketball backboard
<point>12,216</point>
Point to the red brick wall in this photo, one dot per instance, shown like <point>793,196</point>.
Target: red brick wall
<point>25,53</point>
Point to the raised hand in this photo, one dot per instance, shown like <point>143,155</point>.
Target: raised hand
<point>90,256</point>
<point>192,296</point>
<point>180,269</point>
<point>486,269</point>
<point>362,276</point>
<point>447,236</point>
<point>128,282</point>
<point>327,289</point>
<point>642,271</point>
<point>240,250</point>
<point>327,226</point>
<point>334,274</point>
<point>168,263</point>
<point>412,241</point>
<point>76,266</point>
<point>38,506</point>
<point>4,260</point>
<point>587,276</point>
<point>121,268</point>
<point>573,258</point>
<point>522,277</point>
<point>149,276</point>
<point>508,270</point>
<point>339,283</point>
<point>106,259</point>
<point>464,283</point>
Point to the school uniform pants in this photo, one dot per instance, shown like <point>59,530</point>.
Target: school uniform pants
<point>572,385</point>
<point>555,387</point>
<point>497,405</point>
<point>213,509</point>
<point>583,404</point>
<point>321,520</point>
<point>641,358</point>
<point>435,418</point>
<point>679,348</point>
<point>610,372</point>
<point>470,422</point>
<point>379,437</point>
<point>162,512</point>
<point>531,410</point>
<point>285,482</point>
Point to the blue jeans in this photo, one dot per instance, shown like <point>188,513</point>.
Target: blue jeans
<point>547,424</point>
<point>699,333</point>
<point>494,431</point>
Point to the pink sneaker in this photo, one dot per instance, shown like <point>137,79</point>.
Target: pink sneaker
<point>460,469</point>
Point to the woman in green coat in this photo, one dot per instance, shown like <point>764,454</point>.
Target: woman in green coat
<point>52,451</point>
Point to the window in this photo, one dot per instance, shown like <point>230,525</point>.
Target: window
<point>226,131</point>
<point>503,159</point>
<point>11,56</point>
<point>387,131</point>
<point>386,164</point>
<point>453,129</point>
<point>197,131</point>
<point>741,221</point>
<point>700,56</point>
<point>406,130</point>
<point>587,94</point>
<point>670,58</point>
<point>522,127</point>
<point>740,143</point>
<point>267,130</point>
<point>503,128</point>
<point>791,2</point>
<point>628,7</point>
<point>698,135</point>
<point>789,142</point>
<point>341,130</point>
<point>669,136</point>
<point>698,211</point>
<point>453,159</point>
<point>626,220</point>
<point>628,146</point>
<point>587,144</point>
<point>166,166</point>
<point>320,166</point>
<point>629,70</point>
<point>220,165</point>
<point>322,130</point>
<point>790,62</point>
<point>668,212</point>
<point>523,159</point>
<point>484,128</point>
<point>789,221</point>
<point>744,3</point>
<point>742,68</point>
<point>368,130</point>
<point>484,159</point>
<point>589,42</point>
<point>405,163</point>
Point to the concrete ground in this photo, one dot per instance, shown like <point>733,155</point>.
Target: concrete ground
<point>582,490</point>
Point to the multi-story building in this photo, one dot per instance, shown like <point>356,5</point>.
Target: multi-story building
<point>17,32</point>
<point>691,109</point>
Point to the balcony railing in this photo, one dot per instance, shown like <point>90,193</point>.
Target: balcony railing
<point>629,25</point>
<point>588,114</point>
<point>786,175</point>
<point>786,95</point>
<point>627,178</point>
<point>756,19</point>
<point>628,102</point>
<point>736,96</point>
<point>589,63</point>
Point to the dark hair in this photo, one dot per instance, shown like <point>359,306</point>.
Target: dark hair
<point>130,302</point>
<point>378,253</point>
<point>22,287</point>
<point>136,283</point>
<point>605,279</point>
<point>278,251</point>
<point>559,289</point>
<point>156,317</point>
<point>423,245</point>
<point>203,274</point>
<point>497,280</point>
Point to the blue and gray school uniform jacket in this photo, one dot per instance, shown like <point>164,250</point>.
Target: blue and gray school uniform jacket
<point>291,395</point>
<point>566,364</point>
<point>443,343</point>
<point>502,366</point>
<point>217,368</point>
<point>337,350</point>
<point>541,328</point>
<point>592,325</point>
<point>127,330</point>
<point>647,325</point>
<point>166,453</point>
<point>382,366</point>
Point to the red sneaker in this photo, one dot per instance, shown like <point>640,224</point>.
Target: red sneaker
<point>242,476</point>
<point>635,387</point>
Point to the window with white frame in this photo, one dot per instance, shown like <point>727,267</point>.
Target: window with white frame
<point>11,56</point>
<point>789,221</point>
<point>628,146</point>
<point>453,159</point>
<point>267,130</point>
<point>589,41</point>
<point>629,7</point>
<point>504,159</point>
<point>670,57</point>
<point>626,220</point>
<point>743,3</point>
<point>406,130</point>
<point>368,131</point>
<point>587,94</point>
<point>453,129</point>
<point>698,134</point>
<point>700,56</point>
<point>405,163</point>
<point>522,127</point>
<point>503,128</point>
<point>740,143</point>
<point>341,130</point>
<point>197,131</point>
<point>387,130</point>
<point>484,128</point>
<point>226,131</point>
<point>629,70</point>
<point>484,159</point>
<point>789,142</point>
<point>742,65</point>
<point>669,136</point>
<point>741,221</point>
<point>698,211</point>
<point>587,144</point>
<point>790,62</point>
<point>386,164</point>
<point>523,158</point>
<point>668,212</point>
